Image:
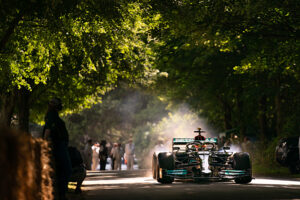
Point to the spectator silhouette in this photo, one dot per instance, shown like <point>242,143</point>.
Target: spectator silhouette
<point>246,145</point>
<point>88,153</point>
<point>78,170</point>
<point>117,154</point>
<point>129,152</point>
<point>56,133</point>
<point>103,154</point>
<point>95,160</point>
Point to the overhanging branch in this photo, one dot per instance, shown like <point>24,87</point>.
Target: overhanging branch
<point>9,31</point>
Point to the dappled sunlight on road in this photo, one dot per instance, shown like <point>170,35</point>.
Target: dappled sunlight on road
<point>137,180</point>
<point>112,178</point>
<point>274,182</point>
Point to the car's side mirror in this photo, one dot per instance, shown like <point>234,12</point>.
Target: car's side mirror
<point>226,148</point>
<point>176,148</point>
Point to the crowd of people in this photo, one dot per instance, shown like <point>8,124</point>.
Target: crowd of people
<point>233,141</point>
<point>99,154</point>
<point>240,144</point>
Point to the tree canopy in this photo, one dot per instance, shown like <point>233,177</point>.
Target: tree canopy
<point>235,63</point>
<point>74,50</point>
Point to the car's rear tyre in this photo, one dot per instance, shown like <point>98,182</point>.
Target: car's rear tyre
<point>164,162</point>
<point>241,161</point>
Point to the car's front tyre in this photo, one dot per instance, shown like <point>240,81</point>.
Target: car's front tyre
<point>164,162</point>
<point>241,161</point>
<point>154,166</point>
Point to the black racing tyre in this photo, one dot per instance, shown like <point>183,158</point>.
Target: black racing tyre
<point>164,162</point>
<point>154,166</point>
<point>241,161</point>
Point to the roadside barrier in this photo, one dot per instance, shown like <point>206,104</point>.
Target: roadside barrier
<point>24,166</point>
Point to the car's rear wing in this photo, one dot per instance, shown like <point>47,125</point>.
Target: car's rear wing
<point>182,141</point>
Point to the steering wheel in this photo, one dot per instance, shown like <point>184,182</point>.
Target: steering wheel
<point>207,144</point>
<point>196,146</point>
<point>193,146</point>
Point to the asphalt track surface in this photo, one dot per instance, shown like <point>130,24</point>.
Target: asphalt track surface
<point>139,185</point>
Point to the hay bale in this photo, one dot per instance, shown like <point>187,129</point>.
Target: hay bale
<point>46,171</point>
<point>25,163</point>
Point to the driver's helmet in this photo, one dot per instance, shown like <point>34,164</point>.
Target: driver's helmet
<point>199,137</point>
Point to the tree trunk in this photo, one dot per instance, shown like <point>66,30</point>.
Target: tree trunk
<point>7,108</point>
<point>227,116</point>
<point>240,105</point>
<point>278,114</point>
<point>278,110</point>
<point>23,109</point>
<point>262,118</point>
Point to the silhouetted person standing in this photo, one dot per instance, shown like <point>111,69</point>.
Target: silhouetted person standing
<point>56,133</point>
<point>103,154</point>
<point>118,154</point>
<point>129,152</point>
<point>113,154</point>
<point>95,159</point>
<point>88,154</point>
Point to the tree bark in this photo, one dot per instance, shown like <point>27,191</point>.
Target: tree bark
<point>7,108</point>
<point>227,116</point>
<point>23,109</point>
<point>240,105</point>
<point>278,114</point>
<point>262,118</point>
<point>278,109</point>
<point>226,112</point>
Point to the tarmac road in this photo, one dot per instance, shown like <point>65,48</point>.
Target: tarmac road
<point>139,185</point>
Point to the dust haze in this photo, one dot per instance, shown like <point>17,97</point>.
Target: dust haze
<point>179,124</point>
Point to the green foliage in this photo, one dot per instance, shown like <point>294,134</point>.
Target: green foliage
<point>78,55</point>
<point>236,63</point>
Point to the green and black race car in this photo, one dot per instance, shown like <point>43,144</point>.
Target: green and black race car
<point>201,159</point>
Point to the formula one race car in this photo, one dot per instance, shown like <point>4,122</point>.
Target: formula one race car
<point>201,159</point>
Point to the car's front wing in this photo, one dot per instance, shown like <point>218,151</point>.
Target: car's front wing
<point>223,174</point>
